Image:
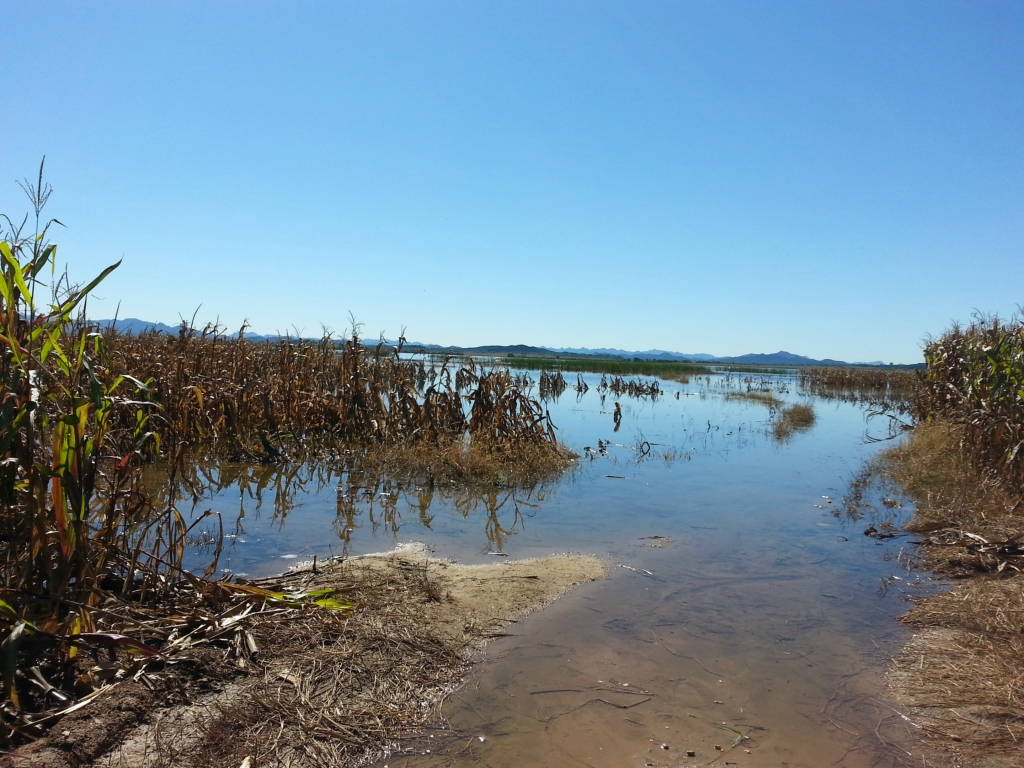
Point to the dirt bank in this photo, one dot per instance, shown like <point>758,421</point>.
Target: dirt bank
<point>315,687</point>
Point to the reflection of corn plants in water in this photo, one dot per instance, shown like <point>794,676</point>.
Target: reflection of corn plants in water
<point>387,504</point>
<point>881,390</point>
<point>386,501</point>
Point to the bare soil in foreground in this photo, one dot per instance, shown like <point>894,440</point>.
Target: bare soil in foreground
<point>315,688</point>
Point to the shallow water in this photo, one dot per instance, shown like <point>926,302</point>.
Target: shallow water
<point>758,623</point>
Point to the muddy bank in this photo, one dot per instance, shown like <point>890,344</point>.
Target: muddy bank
<point>315,687</point>
<point>961,676</point>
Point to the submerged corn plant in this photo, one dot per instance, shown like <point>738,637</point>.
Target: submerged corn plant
<point>253,398</point>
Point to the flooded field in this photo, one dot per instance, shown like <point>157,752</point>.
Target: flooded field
<point>746,620</point>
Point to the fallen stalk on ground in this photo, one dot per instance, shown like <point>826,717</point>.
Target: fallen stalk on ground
<point>303,686</point>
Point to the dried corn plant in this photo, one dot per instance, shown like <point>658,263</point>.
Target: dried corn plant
<point>975,378</point>
<point>882,390</point>
<point>637,388</point>
<point>246,395</point>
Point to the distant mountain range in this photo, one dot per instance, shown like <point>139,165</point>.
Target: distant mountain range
<point>135,326</point>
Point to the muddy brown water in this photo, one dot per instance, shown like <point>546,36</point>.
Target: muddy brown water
<point>753,630</point>
<point>740,665</point>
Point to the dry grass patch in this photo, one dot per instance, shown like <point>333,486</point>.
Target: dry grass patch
<point>754,396</point>
<point>795,418</point>
<point>962,674</point>
<point>470,461</point>
<point>971,520</point>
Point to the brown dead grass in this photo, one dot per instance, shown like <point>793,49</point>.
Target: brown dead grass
<point>471,461</point>
<point>970,520</point>
<point>755,396</point>
<point>795,418</point>
<point>962,674</point>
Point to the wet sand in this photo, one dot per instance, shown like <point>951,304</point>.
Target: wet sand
<point>748,664</point>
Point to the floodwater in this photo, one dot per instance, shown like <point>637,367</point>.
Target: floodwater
<point>744,620</point>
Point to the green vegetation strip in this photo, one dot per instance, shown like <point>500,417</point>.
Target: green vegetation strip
<point>663,369</point>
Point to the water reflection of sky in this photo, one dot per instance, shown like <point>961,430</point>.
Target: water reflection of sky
<point>758,577</point>
<point>713,468</point>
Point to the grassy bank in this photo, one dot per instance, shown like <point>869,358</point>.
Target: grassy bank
<point>962,674</point>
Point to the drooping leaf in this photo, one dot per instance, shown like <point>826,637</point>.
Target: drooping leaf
<point>9,651</point>
<point>112,640</point>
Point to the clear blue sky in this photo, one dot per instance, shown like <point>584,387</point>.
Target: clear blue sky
<point>831,178</point>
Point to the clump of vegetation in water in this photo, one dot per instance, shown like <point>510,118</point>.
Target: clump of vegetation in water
<point>260,400</point>
<point>860,378</point>
<point>882,390</point>
<point>756,396</point>
<point>794,418</point>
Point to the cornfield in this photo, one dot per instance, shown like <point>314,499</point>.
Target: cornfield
<point>85,545</point>
<point>247,396</point>
<point>975,378</point>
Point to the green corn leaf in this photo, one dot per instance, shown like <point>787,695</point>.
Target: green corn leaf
<point>5,290</point>
<point>143,387</point>
<point>67,308</point>
<point>41,262</point>
<point>335,605</point>
<point>6,609</point>
<point>95,388</point>
<point>321,593</point>
<point>19,276</point>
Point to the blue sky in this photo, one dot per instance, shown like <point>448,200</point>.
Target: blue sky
<point>835,179</point>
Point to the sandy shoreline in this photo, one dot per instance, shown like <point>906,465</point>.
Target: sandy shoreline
<point>321,689</point>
